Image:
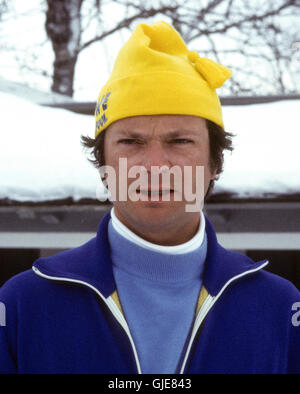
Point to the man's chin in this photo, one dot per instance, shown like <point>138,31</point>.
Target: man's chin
<point>152,214</point>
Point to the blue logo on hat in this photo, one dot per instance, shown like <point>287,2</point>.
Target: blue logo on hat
<point>102,107</point>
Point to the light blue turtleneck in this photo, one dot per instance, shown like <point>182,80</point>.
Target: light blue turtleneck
<point>158,292</point>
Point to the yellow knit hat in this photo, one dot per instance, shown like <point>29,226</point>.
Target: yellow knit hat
<point>156,74</point>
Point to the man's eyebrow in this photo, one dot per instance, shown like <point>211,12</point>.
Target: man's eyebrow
<point>171,134</point>
<point>129,133</point>
<point>180,132</point>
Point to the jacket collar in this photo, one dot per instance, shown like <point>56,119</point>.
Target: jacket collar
<point>91,263</point>
<point>222,265</point>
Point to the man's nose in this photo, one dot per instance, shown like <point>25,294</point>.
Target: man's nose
<point>155,155</point>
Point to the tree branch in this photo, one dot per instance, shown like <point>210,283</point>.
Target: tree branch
<point>126,24</point>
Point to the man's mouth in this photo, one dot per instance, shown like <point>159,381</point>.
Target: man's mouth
<point>155,192</point>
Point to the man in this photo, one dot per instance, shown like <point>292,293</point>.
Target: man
<point>154,292</point>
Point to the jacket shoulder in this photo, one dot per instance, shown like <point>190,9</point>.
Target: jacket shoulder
<point>18,288</point>
<point>278,286</point>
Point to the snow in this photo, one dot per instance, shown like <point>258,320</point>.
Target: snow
<point>266,155</point>
<point>34,95</point>
<point>41,158</point>
<point>40,153</point>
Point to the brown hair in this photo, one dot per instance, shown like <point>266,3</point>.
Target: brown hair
<point>219,140</point>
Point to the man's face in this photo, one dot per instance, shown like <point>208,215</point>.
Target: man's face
<point>159,140</point>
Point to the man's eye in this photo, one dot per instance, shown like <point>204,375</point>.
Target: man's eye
<point>128,141</point>
<point>182,141</point>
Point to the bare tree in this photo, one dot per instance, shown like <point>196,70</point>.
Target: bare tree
<point>63,27</point>
<point>247,35</point>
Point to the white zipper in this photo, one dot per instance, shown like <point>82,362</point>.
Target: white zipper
<point>110,304</point>
<point>205,308</point>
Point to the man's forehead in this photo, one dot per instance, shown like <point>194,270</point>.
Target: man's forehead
<point>171,125</point>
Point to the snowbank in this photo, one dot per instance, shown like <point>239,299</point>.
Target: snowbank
<point>40,153</point>
<point>266,158</point>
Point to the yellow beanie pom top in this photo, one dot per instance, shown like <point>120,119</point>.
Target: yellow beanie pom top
<point>155,74</point>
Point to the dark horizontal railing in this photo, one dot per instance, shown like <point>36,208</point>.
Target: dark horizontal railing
<point>88,108</point>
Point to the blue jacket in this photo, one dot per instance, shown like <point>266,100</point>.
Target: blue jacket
<point>63,316</point>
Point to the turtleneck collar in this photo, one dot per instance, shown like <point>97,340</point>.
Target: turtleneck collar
<point>186,247</point>
<point>150,263</point>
